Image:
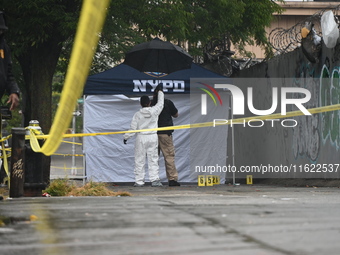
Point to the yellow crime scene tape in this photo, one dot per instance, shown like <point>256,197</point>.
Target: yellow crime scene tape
<point>91,21</point>
<point>34,138</point>
<point>92,18</point>
<point>67,155</point>
<point>90,24</point>
<point>5,155</point>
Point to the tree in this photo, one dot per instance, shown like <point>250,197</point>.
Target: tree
<point>193,24</point>
<point>198,22</point>
<point>41,33</point>
<point>37,30</point>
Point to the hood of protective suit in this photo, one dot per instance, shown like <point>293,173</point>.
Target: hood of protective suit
<point>146,118</point>
<point>146,112</point>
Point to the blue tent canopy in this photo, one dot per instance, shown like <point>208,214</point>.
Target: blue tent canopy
<point>111,102</point>
<point>126,80</point>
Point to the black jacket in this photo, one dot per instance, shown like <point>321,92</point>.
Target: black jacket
<point>7,81</point>
<point>165,118</point>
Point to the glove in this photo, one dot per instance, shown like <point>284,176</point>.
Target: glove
<point>159,88</point>
<point>125,141</point>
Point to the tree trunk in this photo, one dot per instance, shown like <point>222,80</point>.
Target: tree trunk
<point>38,64</point>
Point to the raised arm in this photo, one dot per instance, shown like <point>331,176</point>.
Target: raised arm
<point>157,109</point>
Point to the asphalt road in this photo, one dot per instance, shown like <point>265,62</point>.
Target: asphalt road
<point>178,220</point>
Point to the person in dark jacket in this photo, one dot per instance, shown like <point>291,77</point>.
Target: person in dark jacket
<point>165,141</point>
<point>7,81</point>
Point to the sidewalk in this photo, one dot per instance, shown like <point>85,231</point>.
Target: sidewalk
<point>222,219</point>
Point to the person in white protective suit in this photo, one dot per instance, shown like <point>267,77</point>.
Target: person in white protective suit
<point>146,142</point>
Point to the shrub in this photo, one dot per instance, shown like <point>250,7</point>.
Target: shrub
<point>62,187</point>
<point>59,187</point>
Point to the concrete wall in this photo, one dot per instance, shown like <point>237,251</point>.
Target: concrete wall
<point>315,139</point>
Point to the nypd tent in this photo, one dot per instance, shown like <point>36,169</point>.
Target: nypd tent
<point>111,98</point>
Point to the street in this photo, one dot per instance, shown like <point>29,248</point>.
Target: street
<point>222,219</point>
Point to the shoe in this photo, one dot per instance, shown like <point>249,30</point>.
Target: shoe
<point>138,185</point>
<point>156,184</point>
<point>174,183</point>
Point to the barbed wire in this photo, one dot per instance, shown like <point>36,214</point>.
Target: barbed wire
<point>286,40</point>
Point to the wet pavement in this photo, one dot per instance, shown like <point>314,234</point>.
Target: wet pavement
<point>223,219</point>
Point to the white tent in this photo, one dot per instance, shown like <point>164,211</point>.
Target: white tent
<point>110,100</point>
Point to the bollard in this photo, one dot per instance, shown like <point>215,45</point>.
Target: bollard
<point>17,172</point>
<point>34,166</point>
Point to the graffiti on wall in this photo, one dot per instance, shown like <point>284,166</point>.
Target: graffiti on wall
<point>306,135</point>
<point>325,90</point>
<point>329,95</point>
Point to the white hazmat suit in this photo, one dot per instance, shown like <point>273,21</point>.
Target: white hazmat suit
<point>146,142</point>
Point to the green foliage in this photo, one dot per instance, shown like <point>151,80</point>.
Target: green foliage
<point>130,22</point>
<point>198,21</point>
<point>15,121</point>
<point>62,187</point>
<point>41,34</point>
<point>93,189</point>
<point>59,187</point>
<point>79,119</point>
<point>57,83</point>
<point>55,102</point>
<point>33,22</point>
